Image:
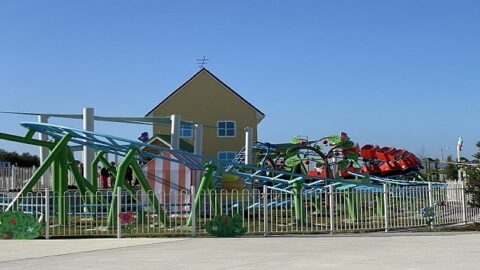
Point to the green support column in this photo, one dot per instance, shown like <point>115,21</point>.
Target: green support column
<point>120,177</point>
<point>148,190</point>
<point>26,140</point>
<point>41,170</point>
<point>352,204</point>
<point>380,204</point>
<point>297,196</point>
<point>63,187</point>
<point>204,184</point>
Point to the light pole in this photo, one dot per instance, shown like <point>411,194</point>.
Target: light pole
<point>441,151</point>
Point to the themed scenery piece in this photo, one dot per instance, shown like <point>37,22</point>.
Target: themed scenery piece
<point>19,225</point>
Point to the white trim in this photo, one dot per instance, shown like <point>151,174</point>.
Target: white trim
<point>234,129</point>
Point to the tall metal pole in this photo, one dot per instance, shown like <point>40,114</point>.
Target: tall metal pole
<point>175,132</point>
<point>458,160</point>
<point>44,151</point>
<point>198,139</point>
<point>88,153</point>
<point>248,145</point>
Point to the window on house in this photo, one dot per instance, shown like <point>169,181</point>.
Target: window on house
<point>226,128</point>
<point>226,156</point>
<point>186,131</point>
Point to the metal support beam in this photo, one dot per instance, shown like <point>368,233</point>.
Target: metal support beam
<point>248,145</point>
<point>43,151</point>
<point>198,139</point>
<point>175,132</point>
<point>88,153</point>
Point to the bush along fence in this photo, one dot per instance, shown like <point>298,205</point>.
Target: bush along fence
<point>264,211</point>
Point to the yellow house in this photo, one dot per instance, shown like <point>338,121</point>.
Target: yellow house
<point>224,114</point>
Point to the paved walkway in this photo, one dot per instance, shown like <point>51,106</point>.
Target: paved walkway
<point>362,251</point>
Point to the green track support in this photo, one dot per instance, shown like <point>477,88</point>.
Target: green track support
<point>150,193</point>
<point>204,185</point>
<point>298,201</point>
<point>380,204</point>
<point>26,140</point>
<point>352,200</point>
<point>41,170</point>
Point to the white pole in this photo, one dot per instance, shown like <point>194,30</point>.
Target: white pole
<point>265,211</point>
<point>175,132</point>
<point>458,160</point>
<point>47,213</point>
<point>193,211</point>
<point>198,139</point>
<point>119,210</point>
<point>386,209</point>
<point>331,202</point>
<point>248,145</point>
<point>45,179</point>
<point>88,153</point>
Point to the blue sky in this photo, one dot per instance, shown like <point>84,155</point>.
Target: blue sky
<point>396,73</point>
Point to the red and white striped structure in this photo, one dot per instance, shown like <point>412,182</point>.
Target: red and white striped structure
<point>171,180</point>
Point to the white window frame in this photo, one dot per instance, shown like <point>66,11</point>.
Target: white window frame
<point>183,128</point>
<point>226,154</point>
<point>234,129</point>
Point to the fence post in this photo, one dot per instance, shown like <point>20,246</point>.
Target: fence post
<point>193,210</point>
<point>430,202</point>
<point>386,208</point>
<point>265,211</point>
<point>331,203</point>
<point>119,210</point>
<point>464,203</point>
<point>47,213</point>
<point>14,176</point>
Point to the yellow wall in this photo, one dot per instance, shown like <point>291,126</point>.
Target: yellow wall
<point>204,100</point>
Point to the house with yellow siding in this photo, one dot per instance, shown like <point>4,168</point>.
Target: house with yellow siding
<point>205,99</point>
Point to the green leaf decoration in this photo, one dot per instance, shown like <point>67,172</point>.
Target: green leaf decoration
<point>318,147</point>
<point>345,144</point>
<point>292,161</point>
<point>19,225</point>
<point>318,164</point>
<point>343,164</point>
<point>225,226</point>
<point>352,156</point>
<point>333,139</point>
<point>296,140</point>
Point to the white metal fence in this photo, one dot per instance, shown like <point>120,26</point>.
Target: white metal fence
<point>264,211</point>
<point>14,178</point>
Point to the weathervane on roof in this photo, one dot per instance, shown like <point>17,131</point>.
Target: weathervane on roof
<point>202,62</point>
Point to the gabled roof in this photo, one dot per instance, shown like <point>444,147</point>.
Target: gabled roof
<point>262,115</point>
<point>165,139</point>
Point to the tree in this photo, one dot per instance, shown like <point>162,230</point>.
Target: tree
<point>450,170</point>
<point>23,160</point>
<point>472,181</point>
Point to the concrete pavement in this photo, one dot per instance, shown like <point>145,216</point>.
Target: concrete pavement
<point>359,251</point>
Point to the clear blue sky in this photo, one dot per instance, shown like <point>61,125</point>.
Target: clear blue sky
<point>397,73</point>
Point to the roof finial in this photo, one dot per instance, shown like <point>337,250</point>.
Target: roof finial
<point>202,62</point>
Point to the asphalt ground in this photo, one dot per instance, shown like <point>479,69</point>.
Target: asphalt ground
<point>358,251</point>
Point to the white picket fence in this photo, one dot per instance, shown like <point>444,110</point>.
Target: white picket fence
<point>14,178</point>
<point>263,212</point>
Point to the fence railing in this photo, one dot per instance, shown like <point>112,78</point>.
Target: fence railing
<point>263,212</point>
<point>14,178</point>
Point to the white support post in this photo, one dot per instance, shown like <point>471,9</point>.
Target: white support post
<point>193,211</point>
<point>198,139</point>
<point>386,213</point>
<point>265,211</point>
<point>47,213</point>
<point>458,160</point>
<point>43,154</point>
<point>331,202</point>
<point>119,210</point>
<point>430,201</point>
<point>88,153</point>
<point>464,203</point>
<point>248,145</point>
<point>175,132</point>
